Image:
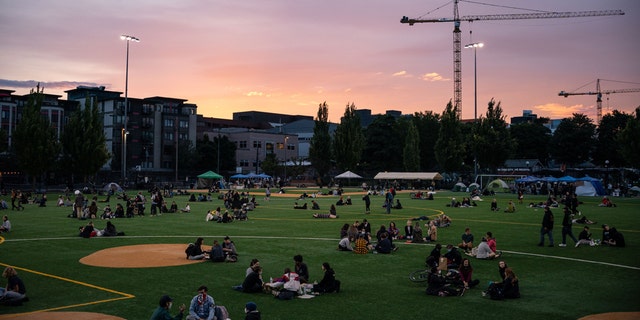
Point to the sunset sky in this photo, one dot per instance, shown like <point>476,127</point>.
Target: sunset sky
<point>289,56</point>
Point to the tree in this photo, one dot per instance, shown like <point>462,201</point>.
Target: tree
<point>411,151</point>
<point>573,140</point>
<point>83,141</point>
<point>320,148</point>
<point>532,141</point>
<point>34,139</point>
<point>492,142</point>
<point>348,141</point>
<point>383,147</point>
<point>608,130</point>
<point>428,127</point>
<point>270,164</point>
<point>629,142</point>
<point>450,146</point>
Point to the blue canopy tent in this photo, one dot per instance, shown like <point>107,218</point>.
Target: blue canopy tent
<point>527,179</point>
<point>239,176</point>
<point>567,179</point>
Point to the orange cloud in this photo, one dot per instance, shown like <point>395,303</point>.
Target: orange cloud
<point>433,76</point>
<point>556,110</point>
<point>402,73</point>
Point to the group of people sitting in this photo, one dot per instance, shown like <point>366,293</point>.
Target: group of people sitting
<point>225,252</point>
<point>226,217</point>
<point>453,279</point>
<point>291,283</point>
<point>89,231</point>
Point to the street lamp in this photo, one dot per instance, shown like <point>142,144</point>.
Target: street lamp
<point>606,177</point>
<point>475,47</point>
<point>126,104</point>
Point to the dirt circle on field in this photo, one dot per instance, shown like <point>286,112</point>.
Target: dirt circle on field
<point>613,316</point>
<point>60,315</point>
<point>140,256</point>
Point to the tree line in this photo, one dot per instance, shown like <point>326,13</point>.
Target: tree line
<point>427,141</point>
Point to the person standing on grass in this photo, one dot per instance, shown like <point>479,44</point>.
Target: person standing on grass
<point>566,227</point>
<point>162,311</point>
<point>547,227</point>
<point>367,203</point>
<point>79,204</point>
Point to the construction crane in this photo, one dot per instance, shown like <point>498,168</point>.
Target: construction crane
<point>457,58</point>
<point>598,93</point>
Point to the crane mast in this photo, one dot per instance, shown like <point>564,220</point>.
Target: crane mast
<point>457,57</point>
<point>598,93</point>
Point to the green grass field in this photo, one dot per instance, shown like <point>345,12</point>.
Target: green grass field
<point>556,283</point>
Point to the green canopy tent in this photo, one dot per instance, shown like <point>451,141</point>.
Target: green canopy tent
<point>206,179</point>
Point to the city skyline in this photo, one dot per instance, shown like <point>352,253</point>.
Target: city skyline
<point>288,57</point>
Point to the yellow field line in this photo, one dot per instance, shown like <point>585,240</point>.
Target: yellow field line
<point>124,295</point>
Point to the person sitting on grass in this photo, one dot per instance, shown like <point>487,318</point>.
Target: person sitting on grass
<point>6,225</point>
<point>162,312</point>
<point>509,288</point>
<point>611,236</point>
<point>186,208</point>
<point>88,231</point>
<point>417,234</point>
<point>362,246</point>
<point>484,251</point>
<point>331,215</point>
<point>15,292</point>
<point>329,283</point>
<point>606,202</point>
<point>585,237</point>
<point>494,205</point>
<point>314,205</point>
<point>251,311</point>
<point>466,273</point>
<point>511,208</point>
<point>384,245</point>
<point>194,250</point>
<point>253,281</point>
<point>216,254</point>
<point>345,244</point>
<point>301,207</point>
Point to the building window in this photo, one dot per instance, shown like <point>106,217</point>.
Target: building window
<point>244,163</point>
<point>169,122</point>
<point>242,145</point>
<point>291,147</point>
<point>168,136</point>
<point>257,144</point>
<point>268,147</point>
<point>184,124</point>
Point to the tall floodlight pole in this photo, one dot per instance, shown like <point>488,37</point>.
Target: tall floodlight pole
<point>475,47</point>
<point>128,39</point>
<point>286,139</point>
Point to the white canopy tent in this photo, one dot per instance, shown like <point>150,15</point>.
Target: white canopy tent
<point>348,175</point>
<point>408,176</point>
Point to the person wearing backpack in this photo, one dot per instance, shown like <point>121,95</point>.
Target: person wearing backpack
<point>194,250</point>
